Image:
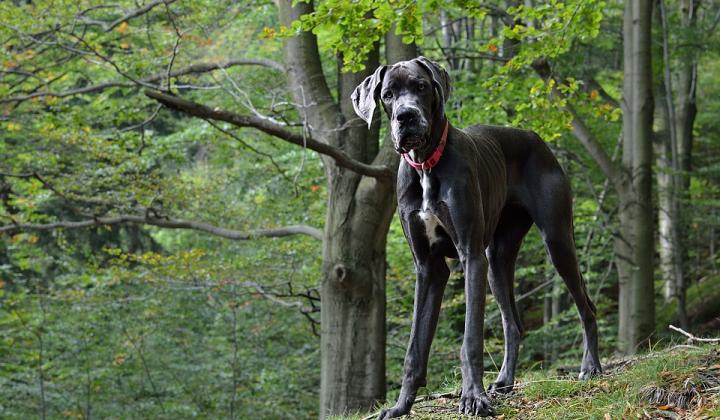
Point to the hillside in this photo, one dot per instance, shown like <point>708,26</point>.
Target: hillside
<point>679,382</point>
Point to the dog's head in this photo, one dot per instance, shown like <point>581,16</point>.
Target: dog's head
<point>413,94</point>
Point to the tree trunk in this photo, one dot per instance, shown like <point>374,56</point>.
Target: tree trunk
<point>634,244</point>
<point>675,120</point>
<point>687,84</point>
<point>353,298</point>
<point>670,250</point>
<point>359,211</point>
<point>685,113</point>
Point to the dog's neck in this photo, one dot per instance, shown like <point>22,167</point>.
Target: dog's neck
<point>422,153</point>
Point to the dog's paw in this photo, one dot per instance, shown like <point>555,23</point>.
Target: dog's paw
<point>401,407</point>
<point>500,387</point>
<point>475,404</point>
<point>589,372</point>
<point>393,412</point>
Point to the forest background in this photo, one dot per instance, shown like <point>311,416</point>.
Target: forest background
<point>195,223</point>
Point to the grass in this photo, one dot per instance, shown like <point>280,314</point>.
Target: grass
<point>681,382</point>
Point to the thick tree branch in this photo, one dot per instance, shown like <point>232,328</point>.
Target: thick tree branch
<point>307,83</point>
<point>169,224</point>
<point>206,67</point>
<point>583,133</point>
<point>191,69</point>
<point>268,127</point>
<point>593,147</point>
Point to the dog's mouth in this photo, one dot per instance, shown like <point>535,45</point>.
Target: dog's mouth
<point>408,143</point>
<point>409,137</point>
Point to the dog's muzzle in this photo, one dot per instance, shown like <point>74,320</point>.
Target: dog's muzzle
<point>409,129</point>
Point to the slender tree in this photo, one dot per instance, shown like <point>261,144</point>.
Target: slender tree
<point>676,112</point>
<point>631,178</point>
<point>634,244</point>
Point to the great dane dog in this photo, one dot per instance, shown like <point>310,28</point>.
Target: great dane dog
<point>471,195</point>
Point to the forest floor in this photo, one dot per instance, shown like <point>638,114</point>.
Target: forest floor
<point>680,382</point>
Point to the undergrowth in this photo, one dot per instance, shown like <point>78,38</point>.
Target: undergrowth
<point>680,382</point>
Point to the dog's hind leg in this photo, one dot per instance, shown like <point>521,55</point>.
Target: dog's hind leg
<point>561,248</point>
<point>503,250</point>
<point>554,218</point>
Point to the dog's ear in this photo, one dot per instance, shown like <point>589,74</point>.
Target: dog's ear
<point>365,96</point>
<point>440,79</point>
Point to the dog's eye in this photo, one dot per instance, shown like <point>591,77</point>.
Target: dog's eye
<point>387,95</point>
<point>421,86</point>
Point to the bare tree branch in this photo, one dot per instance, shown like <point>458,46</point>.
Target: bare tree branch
<point>169,224</point>
<point>268,127</point>
<point>593,147</point>
<point>107,27</point>
<point>496,11</point>
<point>692,337</point>
<point>276,298</point>
<point>206,67</point>
<point>191,69</point>
<point>457,53</point>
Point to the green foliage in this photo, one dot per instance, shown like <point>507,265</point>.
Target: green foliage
<point>354,28</point>
<point>145,322</point>
<point>156,323</point>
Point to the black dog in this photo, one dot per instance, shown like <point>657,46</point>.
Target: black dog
<point>471,194</point>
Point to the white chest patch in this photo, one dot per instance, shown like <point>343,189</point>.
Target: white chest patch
<point>431,224</point>
<point>429,219</point>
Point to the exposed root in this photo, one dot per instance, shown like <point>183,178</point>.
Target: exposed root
<point>685,392</point>
<point>659,396</point>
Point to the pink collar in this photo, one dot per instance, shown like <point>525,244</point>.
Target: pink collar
<point>435,157</point>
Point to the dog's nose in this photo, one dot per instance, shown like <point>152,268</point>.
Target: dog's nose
<point>406,115</point>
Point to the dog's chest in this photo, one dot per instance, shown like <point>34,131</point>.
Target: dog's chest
<point>428,211</point>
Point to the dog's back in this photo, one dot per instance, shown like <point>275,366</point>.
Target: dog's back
<point>526,155</point>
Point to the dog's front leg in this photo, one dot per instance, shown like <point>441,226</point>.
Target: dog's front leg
<point>432,276</point>
<point>474,400</point>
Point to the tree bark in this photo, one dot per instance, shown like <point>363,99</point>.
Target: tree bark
<point>686,103</point>
<point>631,179</point>
<point>634,244</point>
<point>359,211</point>
<point>685,112</point>
<point>676,115</point>
<point>670,248</point>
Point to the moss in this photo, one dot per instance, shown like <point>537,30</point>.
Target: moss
<point>701,303</point>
